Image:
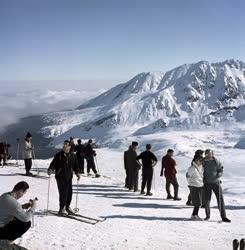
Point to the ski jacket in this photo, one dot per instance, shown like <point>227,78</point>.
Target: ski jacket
<point>168,164</point>
<point>148,159</point>
<point>89,152</point>
<point>130,162</point>
<point>80,150</point>
<point>64,164</point>
<point>10,208</point>
<point>194,175</point>
<point>27,150</point>
<point>213,170</point>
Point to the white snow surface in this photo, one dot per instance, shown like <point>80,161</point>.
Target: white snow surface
<point>134,221</point>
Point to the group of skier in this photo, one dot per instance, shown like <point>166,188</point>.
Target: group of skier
<point>148,160</point>
<point>203,177</point>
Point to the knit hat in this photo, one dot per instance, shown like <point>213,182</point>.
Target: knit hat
<point>28,135</point>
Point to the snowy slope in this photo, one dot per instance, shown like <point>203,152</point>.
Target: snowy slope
<point>190,96</point>
<point>134,221</point>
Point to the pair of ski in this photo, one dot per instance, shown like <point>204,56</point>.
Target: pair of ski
<point>79,217</point>
<point>236,244</point>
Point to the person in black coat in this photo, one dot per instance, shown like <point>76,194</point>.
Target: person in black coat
<point>64,164</point>
<point>80,153</point>
<point>149,160</point>
<point>89,155</point>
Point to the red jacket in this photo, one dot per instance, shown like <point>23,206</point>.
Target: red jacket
<point>168,164</point>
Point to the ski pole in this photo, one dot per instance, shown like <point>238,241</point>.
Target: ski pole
<point>97,164</point>
<point>18,150</point>
<point>76,208</point>
<point>48,193</point>
<point>34,158</point>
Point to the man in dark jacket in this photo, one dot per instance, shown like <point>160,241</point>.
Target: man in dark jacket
<point>80,153</point>
<point>89,155</point>
<point>64,163</point>
<point>213,170</point>
<point>149,160</point>
<point>168,165</point>
<point>132,166</point>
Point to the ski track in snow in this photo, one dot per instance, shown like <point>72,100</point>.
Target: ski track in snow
<point>133,221</point>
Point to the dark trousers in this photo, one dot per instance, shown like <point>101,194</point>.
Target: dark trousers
<point>65,192</point>
<point>217,189</point>
<point>28,164</point>
<point>80,160</point>
<point>172,181</point>
<point>147,175</point>
<point>133,179</point>
<point>91,165</point>
<point>195,211</point>
<point>127,178</point>
<point>14,230</point>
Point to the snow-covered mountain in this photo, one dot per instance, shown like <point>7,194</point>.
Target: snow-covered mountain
<point>194,95</point>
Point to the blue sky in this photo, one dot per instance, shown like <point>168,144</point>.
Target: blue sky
<point>105,39</point>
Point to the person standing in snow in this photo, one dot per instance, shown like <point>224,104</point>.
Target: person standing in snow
<point>200,153</point>
<point>72,143</point>
<point>27,153</point>
<point>169,167</point>
<point>132,167</point>
<point>79,149</point>
<point>213,170</point>
<point>89,155</point>
<point>149,161</point>
<point>64,163</point>
<point>194,177</point>
<point>15,219</point>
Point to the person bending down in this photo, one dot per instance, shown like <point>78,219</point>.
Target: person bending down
<point>15,219</point>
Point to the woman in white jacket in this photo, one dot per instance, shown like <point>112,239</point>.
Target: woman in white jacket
<point>27,153</point>
<point>194,177</point>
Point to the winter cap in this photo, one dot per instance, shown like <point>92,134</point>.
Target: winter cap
<point>28,135</point>
<point>135,143</point>
<point>199,152</point>
<point>90,141</point>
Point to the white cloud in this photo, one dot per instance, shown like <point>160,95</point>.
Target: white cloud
<point>17,102</point>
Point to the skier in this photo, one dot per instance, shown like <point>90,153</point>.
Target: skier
<point>89,155</point>
<point>27,153</point>
<point>80,152</point>
<point>132,166</point>
<point>15,219</point>
<point>64,163</point>
<point>3,153</point>
<point>168,164</point>
<point>72,143</point>
<point>213,170</point>
<point>126,167</point>
<point>194,177</point>
<point>149,160</point>
<point>200,153</point>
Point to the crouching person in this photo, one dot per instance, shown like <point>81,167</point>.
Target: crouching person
<point>64,163</point>
<point>15,219</point>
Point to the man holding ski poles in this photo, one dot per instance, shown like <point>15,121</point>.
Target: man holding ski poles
<point>64,163</point>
